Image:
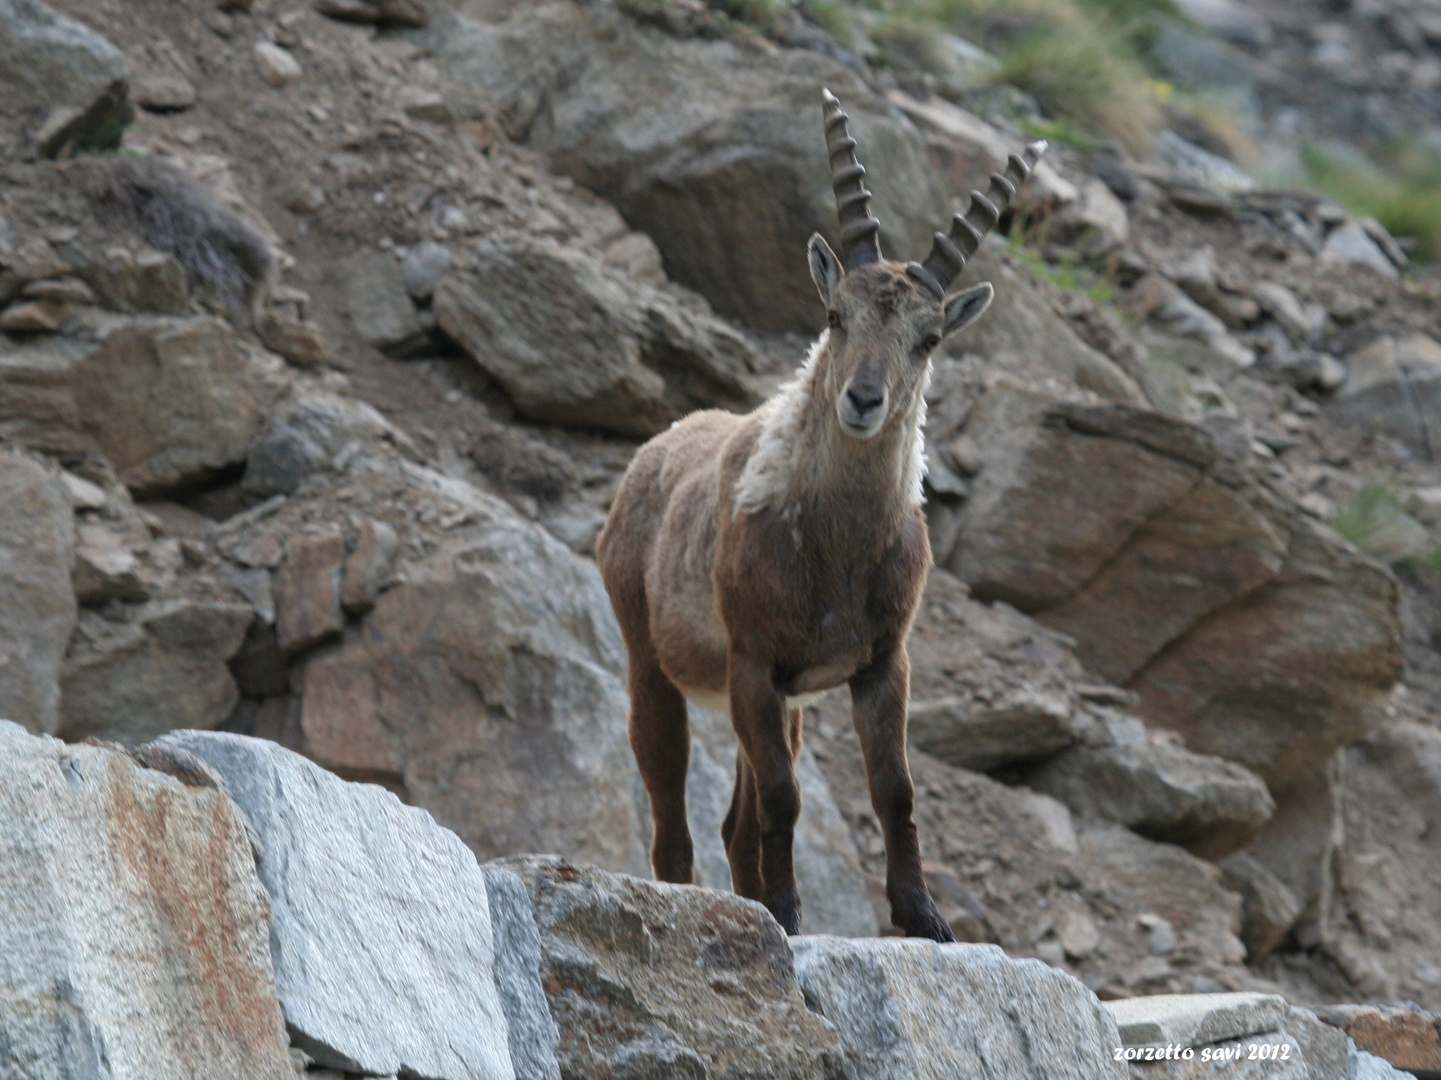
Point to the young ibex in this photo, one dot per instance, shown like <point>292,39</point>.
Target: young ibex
<point>754,561</point>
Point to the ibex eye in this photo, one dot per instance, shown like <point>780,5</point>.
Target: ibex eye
<point>834,318</point>
<point>932,340</point>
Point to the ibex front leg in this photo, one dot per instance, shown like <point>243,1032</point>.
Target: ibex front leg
<point>759,715</point>
<point>878,696</point>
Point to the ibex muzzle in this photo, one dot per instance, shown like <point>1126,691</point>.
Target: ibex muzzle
<point>753,560</point>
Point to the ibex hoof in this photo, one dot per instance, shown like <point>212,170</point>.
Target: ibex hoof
<point>925,924</point>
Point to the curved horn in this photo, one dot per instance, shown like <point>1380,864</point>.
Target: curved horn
<point>859,244</point>
<point>949,253</point>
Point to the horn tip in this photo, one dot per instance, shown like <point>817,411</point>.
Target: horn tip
<point>827,98</point>
<point>1035,149</point>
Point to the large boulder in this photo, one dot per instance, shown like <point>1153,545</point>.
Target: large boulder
<point>1208,805</point>
<point>915,1010</point>
<point>654,980</point>
<point>714,149</point>
<point>62,86</point>
<point>167,401</point>
<point>37,542</point>
<point>1246,626</point>
<point>488,681</point>
<point>575,342</point>
<point>382,938</point>
<point>134,932</point>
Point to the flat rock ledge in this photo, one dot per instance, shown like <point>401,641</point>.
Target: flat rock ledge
<point>1243,1036</point>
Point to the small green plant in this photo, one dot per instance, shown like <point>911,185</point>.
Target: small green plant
<point>1377,523</point>
<point>1090,82</point>
<point>1064,275</point>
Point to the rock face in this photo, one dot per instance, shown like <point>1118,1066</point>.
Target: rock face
<point>37,538</point>
<point>697,144</point>
<point>64,83</point>
<point>1247,627</point>
<point>574,342</point>
<point>383,945</point>
<point>648,979</point>
<point>915,1010</point>
<point>167,401</point>
<point>1209,806</point>
<point>134,933</point>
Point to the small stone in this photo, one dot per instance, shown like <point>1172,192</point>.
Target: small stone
<point>368,566</point>
<point>302,197</point>
<point>194,552</point>
<point>276,66</point>
<point>426,105</point>
<point>34,317</point>
<point>1351,245</point>
<point>298,340</point>
<point>1161,933</point>
<point>423,267</point>
<point>262,551</point>
<point>307,596</point>
<point>1078,935</point>
<point>60,290</point>
<point>105,567</point>
<point>84,494</point>
<point>163,93</point>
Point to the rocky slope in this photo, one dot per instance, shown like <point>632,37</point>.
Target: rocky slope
<point>314,393</point>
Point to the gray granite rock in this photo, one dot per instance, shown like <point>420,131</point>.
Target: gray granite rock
<point>532,1032</point>
<point>134,932</point>
<point>908,1009</point>
<point>382,938</point>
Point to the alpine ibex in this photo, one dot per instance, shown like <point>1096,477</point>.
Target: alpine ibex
<point>755,561</point>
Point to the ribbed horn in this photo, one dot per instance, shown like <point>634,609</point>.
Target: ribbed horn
<point>949,252</point>
<point>859,244</point>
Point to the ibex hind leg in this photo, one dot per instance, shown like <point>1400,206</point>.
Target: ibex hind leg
<point>660,737</point>
<point>741,833</point>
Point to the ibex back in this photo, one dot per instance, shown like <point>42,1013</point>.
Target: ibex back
<point>754,560</point>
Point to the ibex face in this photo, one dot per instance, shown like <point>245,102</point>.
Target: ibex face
<point>883,326</point>
<point>885,317</point>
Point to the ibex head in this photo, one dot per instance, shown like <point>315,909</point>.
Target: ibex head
<point>886,317</point>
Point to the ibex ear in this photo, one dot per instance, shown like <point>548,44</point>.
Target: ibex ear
<point>825,268</point>
<point>965,308</point>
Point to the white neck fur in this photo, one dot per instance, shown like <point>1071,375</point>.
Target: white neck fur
<point>779,465</point>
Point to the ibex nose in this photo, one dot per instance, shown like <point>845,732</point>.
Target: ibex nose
<point>864,400</point>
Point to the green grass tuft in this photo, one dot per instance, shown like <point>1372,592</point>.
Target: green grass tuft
<point>1401,188</point>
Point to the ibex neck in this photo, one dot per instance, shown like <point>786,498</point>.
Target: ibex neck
<point>803,459</point>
